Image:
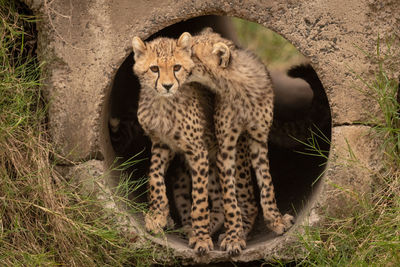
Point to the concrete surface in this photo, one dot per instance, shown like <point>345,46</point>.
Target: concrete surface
<point>84,42</point>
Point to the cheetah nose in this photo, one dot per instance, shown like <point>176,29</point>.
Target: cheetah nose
<point>167,86</point>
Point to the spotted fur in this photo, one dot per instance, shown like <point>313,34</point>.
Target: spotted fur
<point>175,118</point>
<point>244,191</point>
<point>244,104</point>
<point>178,118</point>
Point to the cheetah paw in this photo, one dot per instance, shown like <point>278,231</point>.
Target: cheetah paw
<point>288,220</point>
<point>155,222</point>
<point>232,244</point>
<point>282,224</point>
<point>201,245</point>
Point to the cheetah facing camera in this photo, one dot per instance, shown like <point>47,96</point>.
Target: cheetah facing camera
<point>178,119</point>
<point>243,104</point>
<point>164,115</point>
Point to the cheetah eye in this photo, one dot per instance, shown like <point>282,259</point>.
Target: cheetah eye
<point>177,67</point>
<point>154,68</point>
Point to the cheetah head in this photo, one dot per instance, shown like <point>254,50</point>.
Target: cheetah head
<point>211,54</point>
<point>163,64</point>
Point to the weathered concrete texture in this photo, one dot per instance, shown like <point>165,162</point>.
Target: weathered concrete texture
<point>90,179</point>
<point>355,160</point>
<point>83,43</point>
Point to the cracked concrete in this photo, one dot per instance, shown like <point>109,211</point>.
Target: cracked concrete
<point>83,43</point>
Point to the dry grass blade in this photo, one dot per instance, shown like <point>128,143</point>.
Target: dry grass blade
<point>43,220</point>
<point>369,235</point>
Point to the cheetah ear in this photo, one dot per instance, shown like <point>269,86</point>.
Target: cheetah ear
<point>223,53</point>
<point>185,41</point>
<point>139,48</point>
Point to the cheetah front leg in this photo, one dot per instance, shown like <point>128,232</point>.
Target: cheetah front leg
<point>156,217</point>
<point>233,239</point>
<point>214,191</point>
<point>244,185</point>
<point>274,219</point>
<point>182,197</point>
<point>198,162</point>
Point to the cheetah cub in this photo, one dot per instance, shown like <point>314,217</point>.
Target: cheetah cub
<point>243,104</point>
<point>175,116</point>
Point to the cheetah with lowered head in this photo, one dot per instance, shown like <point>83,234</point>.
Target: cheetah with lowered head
<point>243,104</point>
<point>178,118</point>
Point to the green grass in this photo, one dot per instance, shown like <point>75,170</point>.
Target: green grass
<point>46,219</point>
<point>384,90</point>
<point>275,51</point>
<point>369,234</point>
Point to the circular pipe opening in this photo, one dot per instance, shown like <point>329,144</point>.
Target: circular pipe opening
<point>300,104</point>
